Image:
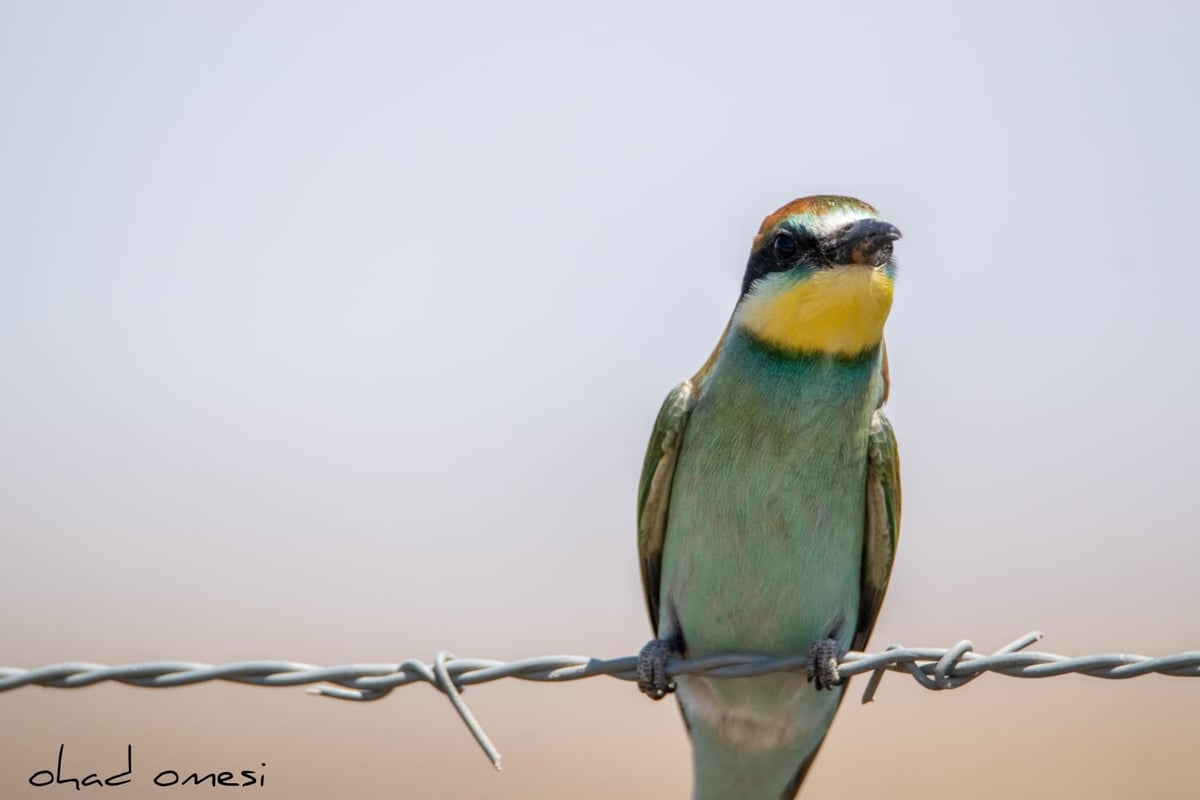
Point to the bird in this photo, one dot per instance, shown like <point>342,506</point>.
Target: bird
<point>769,501</point>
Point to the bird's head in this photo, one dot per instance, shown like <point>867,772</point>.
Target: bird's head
<point>820,277</point>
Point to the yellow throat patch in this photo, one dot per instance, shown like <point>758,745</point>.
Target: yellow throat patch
<point>839,311</point>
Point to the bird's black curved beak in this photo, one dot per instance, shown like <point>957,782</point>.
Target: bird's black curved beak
<point>868,241</point>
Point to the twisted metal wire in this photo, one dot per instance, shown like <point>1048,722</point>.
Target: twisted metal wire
<point>932,668</point>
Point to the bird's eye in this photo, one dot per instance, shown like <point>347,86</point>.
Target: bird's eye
<point>785,245</point>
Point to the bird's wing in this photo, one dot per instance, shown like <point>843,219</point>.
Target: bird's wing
<point>654,495</point>
<point>658,473</point>
<point>882,529</point>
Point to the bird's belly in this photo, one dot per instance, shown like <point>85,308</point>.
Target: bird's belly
<point>768,565</point>
<point>763,554</point>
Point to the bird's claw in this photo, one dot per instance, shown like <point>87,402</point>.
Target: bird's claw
<point>823,664</point>
<point>652,676</point>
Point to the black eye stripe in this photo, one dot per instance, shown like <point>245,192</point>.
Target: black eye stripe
<point>787,248</point>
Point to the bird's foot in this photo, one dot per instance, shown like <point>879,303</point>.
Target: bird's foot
<point>652,670</point>
<point>823,664</point>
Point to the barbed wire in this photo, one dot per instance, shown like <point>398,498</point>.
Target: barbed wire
<point>933,668</point>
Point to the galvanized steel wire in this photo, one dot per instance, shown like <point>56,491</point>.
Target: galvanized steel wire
<point>933,668</point>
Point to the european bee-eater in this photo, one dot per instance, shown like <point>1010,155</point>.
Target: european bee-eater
<point>769,506</point>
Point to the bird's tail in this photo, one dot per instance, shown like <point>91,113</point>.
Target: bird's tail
<point>722,771</point>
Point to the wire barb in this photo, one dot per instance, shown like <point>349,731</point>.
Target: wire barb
<point>933,668</point>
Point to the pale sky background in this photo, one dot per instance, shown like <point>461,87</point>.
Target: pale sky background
<point>334,333</point>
